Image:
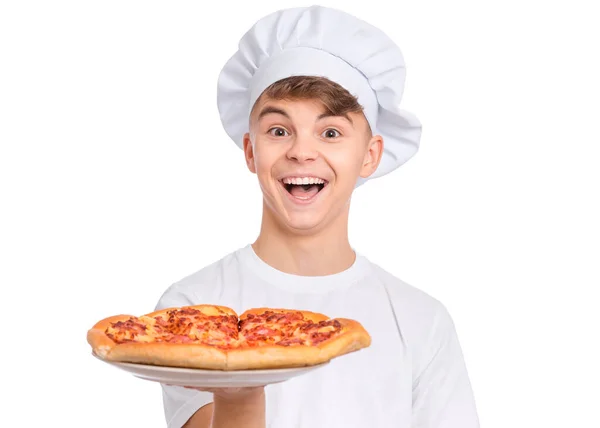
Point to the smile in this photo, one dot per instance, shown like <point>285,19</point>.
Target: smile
<point>303,189</point>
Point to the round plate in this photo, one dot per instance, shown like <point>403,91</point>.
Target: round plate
<point>210,378</point>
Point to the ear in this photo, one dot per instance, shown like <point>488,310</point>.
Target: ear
<point>372,156</point>
<point>249,153</point>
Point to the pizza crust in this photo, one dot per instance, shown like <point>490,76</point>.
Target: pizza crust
<point>273,357</point>
<point>312,316</point>
<point>196,356</point>
<point>210,310</point>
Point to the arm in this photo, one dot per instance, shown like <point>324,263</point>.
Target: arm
<point>202,418</point>
<point>442,393</point>
<point>242,407</point>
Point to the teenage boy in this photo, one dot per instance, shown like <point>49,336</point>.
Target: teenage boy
<point>312,98</point>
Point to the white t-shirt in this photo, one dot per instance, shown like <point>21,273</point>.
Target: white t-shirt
<point>412,376</point>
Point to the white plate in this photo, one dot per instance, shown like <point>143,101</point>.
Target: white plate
<point>210,378</point>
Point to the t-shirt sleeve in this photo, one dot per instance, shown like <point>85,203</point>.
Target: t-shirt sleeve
<point>442,392</point>
<point>180,403</point>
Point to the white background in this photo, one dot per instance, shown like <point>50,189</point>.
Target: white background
<point>117,180</point>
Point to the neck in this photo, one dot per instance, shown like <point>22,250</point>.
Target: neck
<point>325,252</point>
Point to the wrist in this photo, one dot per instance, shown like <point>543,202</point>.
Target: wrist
<point>244,407</point>
<point>241,397</point>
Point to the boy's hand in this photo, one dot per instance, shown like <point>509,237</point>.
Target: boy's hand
<point>232,407</point>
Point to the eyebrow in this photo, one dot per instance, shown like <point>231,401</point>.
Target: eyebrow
<point>270,110</point>
<point>275,110</point>
<point>327,114</point>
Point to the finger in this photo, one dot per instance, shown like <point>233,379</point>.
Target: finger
<point>197,388</point>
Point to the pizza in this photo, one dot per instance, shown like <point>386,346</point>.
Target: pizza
<point>215,337</point>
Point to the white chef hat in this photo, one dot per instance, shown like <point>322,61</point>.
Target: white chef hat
<point>319,41</point>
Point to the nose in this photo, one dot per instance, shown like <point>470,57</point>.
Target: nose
<point>303,148</point>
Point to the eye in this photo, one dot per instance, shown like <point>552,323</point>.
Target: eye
<point>331,133</point>
<point>277,132</point>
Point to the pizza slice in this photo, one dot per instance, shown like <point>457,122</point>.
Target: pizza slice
<point>277,338</point>
<point>193,336</point>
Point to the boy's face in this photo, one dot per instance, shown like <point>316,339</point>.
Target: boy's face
<point>308,163</point>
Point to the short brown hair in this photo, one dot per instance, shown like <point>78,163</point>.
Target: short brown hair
<point>335,98</point>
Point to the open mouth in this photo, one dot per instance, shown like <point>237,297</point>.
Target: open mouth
<point>304,187</point>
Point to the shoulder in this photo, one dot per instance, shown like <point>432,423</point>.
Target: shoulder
<point>193,288</point>
<point>423,320</point>
<point>409,298</point>
<point>422,317</point>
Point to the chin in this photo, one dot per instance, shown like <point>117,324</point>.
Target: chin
<point>306,223</point>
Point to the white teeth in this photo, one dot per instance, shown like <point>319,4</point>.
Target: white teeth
<point>303,180</point>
